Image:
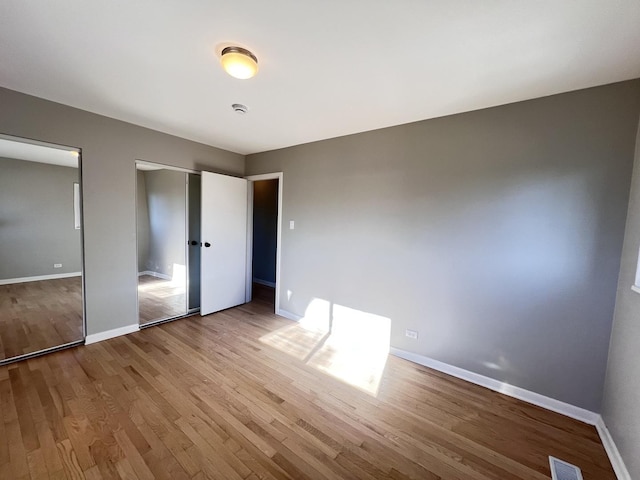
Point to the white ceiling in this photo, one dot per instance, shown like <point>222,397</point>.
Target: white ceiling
<point>32,152</point>
<point>327,68</point>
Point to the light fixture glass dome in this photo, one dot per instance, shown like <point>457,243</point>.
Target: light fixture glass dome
<point>239,62</point>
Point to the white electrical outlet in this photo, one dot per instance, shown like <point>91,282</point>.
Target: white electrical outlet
<point>292,224</point>
<point>411,333</point>
<point>57,265</point>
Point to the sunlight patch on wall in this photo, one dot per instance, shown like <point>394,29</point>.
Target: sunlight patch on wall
<point>348,344</point>
<point>179,277</point>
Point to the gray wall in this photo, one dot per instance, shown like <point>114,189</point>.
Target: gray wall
<point>496,234</point>
<point>166,200</point>
<point>109,149</point>
<point>142,219</point>
<point>36,219</point>
<point>265,229</point>
<point>621,409</point>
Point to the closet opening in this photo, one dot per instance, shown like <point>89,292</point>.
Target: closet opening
<point>263,262</point>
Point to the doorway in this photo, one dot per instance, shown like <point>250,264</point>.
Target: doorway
<point>264,233</point>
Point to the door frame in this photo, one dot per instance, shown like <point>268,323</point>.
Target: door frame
<point>249,282</point>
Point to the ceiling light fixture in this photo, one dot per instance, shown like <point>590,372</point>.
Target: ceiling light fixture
<point>239,62</point>
<point>239,108</point>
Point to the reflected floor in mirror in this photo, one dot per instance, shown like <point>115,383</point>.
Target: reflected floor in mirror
<point>39,315</point>
<point>159,298</point>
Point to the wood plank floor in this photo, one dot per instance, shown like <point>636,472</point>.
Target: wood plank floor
<point>39,315</point>
<point>208,397</point>
<point>263,294</point>
<point>159,299</point>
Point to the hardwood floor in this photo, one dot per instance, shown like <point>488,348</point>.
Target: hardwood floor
<point>39,315</point>
<point>263,294</point>
<point>159,299</point>
<point>223,397</point>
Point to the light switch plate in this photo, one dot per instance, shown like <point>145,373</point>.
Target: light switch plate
<point>291,225</point>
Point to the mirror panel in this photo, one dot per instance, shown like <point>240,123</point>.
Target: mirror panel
<point>162,243</point>
<point>41,302</point>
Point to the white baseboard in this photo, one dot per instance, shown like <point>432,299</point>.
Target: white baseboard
<point>552,404</point>
<point>612,451</point>
<point>155,274</point>
<point>38,278</point>
<point>289,315</point>
<point>116,332</point>
<point>264,282</point>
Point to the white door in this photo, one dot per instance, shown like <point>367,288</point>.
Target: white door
<point>224,242</point>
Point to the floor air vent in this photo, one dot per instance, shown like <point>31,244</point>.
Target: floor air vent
<point>564,471</point>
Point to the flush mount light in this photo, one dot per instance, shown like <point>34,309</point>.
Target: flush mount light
<point>239,108</point>
<point>239,62</point>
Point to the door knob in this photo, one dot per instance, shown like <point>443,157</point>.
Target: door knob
<point>193,242</point>
<point>207,244</point>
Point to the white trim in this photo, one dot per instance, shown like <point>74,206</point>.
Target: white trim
<point>612,451</point>
<point>77,218</point>
<point>548,403</point>
<point>116,332</point>
<point>39,143</point>
<point>255,178</point>
<point>39,278</point>
<point>248,287</point>
<point>289,315</point>
<point>264,176</point>
<point>155,274</point>
<point>264,282</point>
<point>279,239</point>
<point>162,166</point>
<point>635,288</point>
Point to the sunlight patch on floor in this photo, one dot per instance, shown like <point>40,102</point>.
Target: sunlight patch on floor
<point>164,288</point>
<point>161,289</point>
<point>348,344</point>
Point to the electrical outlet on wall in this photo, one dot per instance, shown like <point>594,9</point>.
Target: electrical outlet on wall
<point>57,265</point>
<point>411,334</point>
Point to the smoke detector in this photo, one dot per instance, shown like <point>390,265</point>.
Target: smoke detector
<point>239,108</point>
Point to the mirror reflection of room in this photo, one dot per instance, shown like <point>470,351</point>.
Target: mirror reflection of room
<point>162,243</point>
<point>40,248</point>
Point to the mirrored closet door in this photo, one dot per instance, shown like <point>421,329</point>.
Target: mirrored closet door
<point>168,242</point>
<point>192,239</point>
<point>41,300</point>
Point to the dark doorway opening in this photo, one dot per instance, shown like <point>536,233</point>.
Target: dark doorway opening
<point>265,232</point>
